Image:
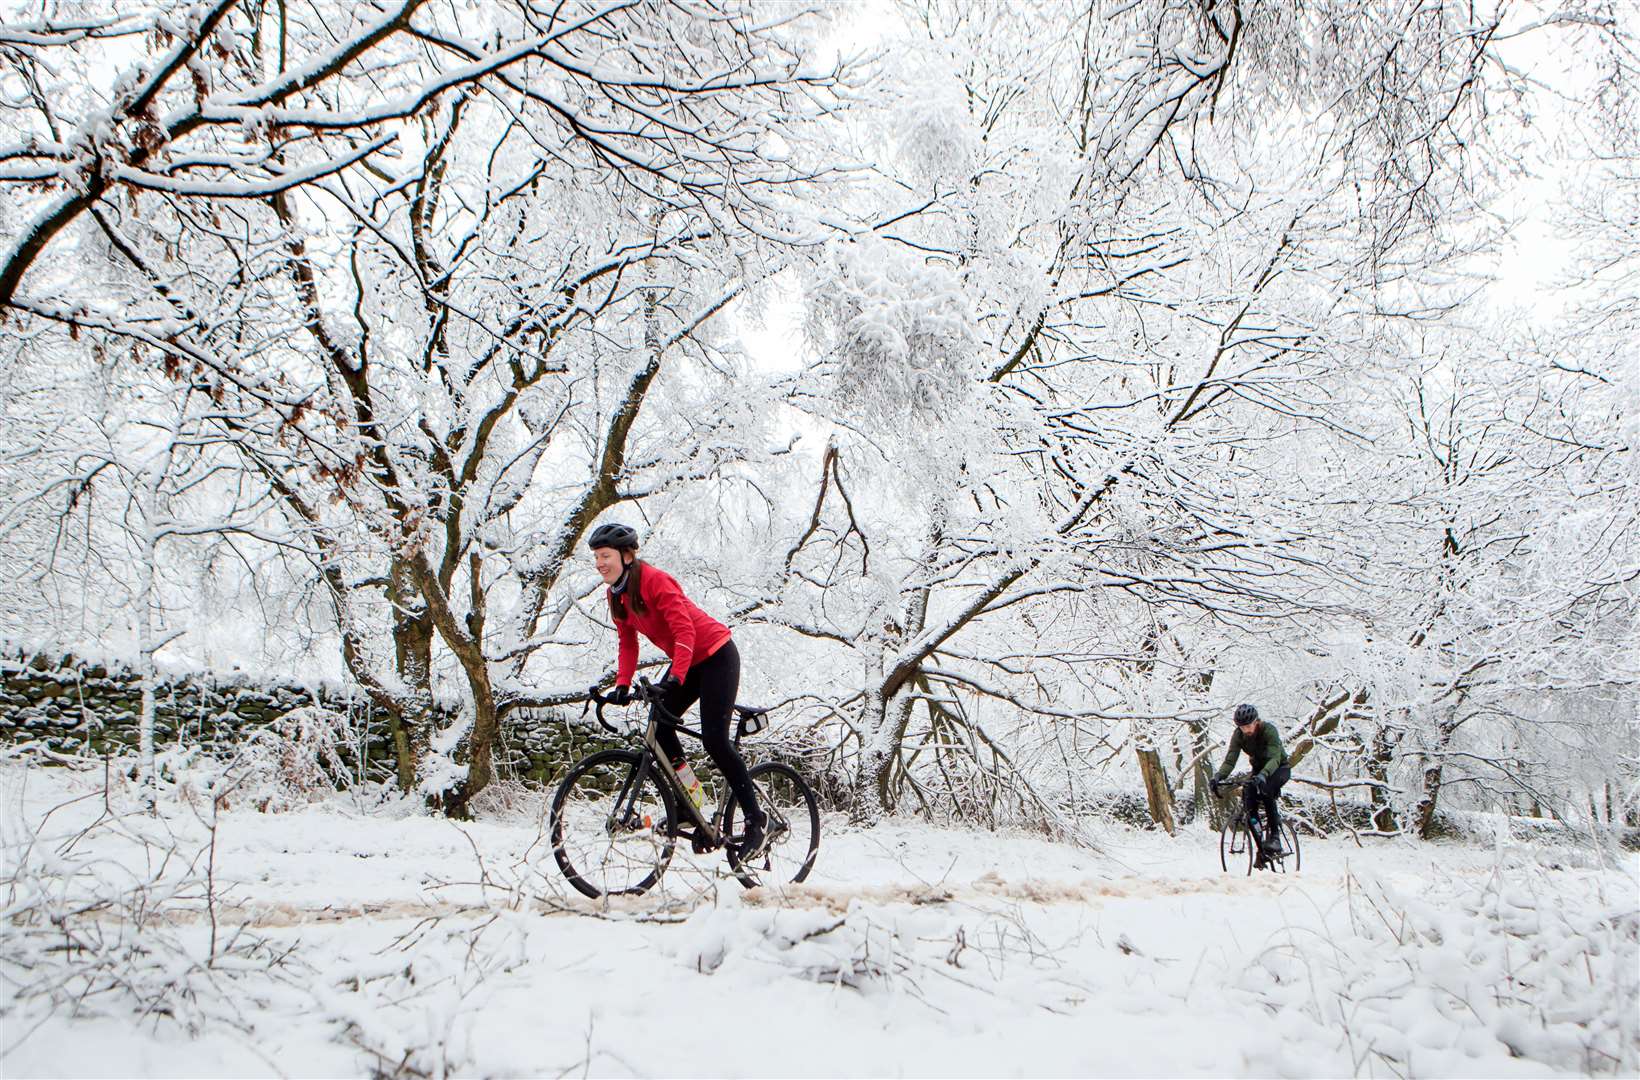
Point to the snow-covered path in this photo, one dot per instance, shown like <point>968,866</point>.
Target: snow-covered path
<point>390,942</point>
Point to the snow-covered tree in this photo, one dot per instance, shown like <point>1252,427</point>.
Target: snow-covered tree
<point>1161,244</point>
<point>436,271</point>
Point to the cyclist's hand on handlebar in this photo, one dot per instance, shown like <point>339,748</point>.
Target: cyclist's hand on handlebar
<point>668,683</point>
<point>620,695</point>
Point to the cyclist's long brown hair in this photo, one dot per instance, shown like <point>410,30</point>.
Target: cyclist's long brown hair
<point>634,589</point>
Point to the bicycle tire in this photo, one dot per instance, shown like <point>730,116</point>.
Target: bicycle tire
<point>794,816</point>
<point>598,856</point>
<point>1236,845</point>
<point>1292,858</point>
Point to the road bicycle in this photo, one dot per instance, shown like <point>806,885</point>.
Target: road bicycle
<point>1243,834</point>
<point>619,813</point>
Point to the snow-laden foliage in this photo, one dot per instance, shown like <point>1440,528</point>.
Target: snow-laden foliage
<point>1506,964</point>
<point>900,336</point>
<point>1165,492</point>
<point>294,760</point>
<point>459,308</point>
<point>118,918</point>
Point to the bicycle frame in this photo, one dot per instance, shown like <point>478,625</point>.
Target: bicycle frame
<point>708,834</point>
<point>1255,822</point>
<point>652,753</point>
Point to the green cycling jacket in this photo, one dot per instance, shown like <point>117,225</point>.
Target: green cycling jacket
<point>1263,748</point>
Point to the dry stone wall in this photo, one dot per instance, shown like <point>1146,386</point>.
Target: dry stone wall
<point>75,706</point>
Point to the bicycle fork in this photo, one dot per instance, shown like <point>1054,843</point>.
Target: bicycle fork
<point>624,814</point>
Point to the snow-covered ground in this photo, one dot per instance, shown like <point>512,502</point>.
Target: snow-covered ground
<point>354,941</point>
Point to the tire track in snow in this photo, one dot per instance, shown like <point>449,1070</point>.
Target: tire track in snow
<point>992,887</point>
<point>662,907</point>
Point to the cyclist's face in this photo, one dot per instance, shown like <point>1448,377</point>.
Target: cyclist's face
<point>1249,727</point>
<point>610,563</point>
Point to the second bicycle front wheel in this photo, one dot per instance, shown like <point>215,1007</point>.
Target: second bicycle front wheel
<point>612,829</point>
<point>1236,846</point>
<point>794,827</point>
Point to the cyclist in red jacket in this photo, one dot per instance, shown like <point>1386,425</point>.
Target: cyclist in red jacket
<point>705,663</point>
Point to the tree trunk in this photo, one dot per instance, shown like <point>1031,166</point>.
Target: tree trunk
<point>873,793</point>
<point>486,730</point>
<point>465,639</point>
<point>1156,789</point>
<point>1201,772</point>
<point>480,750</point>
<point>1378,764</point>
<point>412,723</point>
<point>145,647</point>
<point>1433,767</point>
<point>1424,815</point>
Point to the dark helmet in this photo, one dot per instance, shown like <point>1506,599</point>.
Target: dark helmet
<point>1245,714</point>
<point>614,535</point>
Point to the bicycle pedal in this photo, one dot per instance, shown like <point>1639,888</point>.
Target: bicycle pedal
<point>697,842</point>
<point>633,825</point>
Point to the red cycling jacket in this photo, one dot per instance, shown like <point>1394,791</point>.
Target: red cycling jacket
<point>671,621</point>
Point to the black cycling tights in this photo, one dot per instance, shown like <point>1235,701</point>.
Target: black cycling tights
<point>713,682</point>
<point>1269,794</point>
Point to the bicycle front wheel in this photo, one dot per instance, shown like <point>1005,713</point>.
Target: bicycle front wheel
<point>612,829</point>
<point>794,827</point>
<point>1236,846</point>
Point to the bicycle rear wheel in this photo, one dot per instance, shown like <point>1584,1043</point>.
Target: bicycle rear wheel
<point>794,827</point>
<point>1236,846</point>
<point>1290,857</point>
<point>612,830</point>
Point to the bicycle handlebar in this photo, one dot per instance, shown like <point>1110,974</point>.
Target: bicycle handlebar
<point>751,722</point>
<point>595,698</point>
<point>642,690</point>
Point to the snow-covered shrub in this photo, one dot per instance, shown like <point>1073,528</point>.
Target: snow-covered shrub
<point>511,800</point>
<point>814,944</point>
<point>291,762</point>
<point>120,918</point>
<point>1551,972</point>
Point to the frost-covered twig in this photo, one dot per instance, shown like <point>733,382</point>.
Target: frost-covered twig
<point>1540,967</point>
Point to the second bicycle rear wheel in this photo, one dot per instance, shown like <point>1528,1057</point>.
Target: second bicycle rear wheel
<point>1290,856</point>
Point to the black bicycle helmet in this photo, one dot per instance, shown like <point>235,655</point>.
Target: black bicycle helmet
<point>1245,714</point>
<point>614,535</point>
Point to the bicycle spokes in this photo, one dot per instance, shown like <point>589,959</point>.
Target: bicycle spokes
<point>792,832</point>
<point>611,826</point>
